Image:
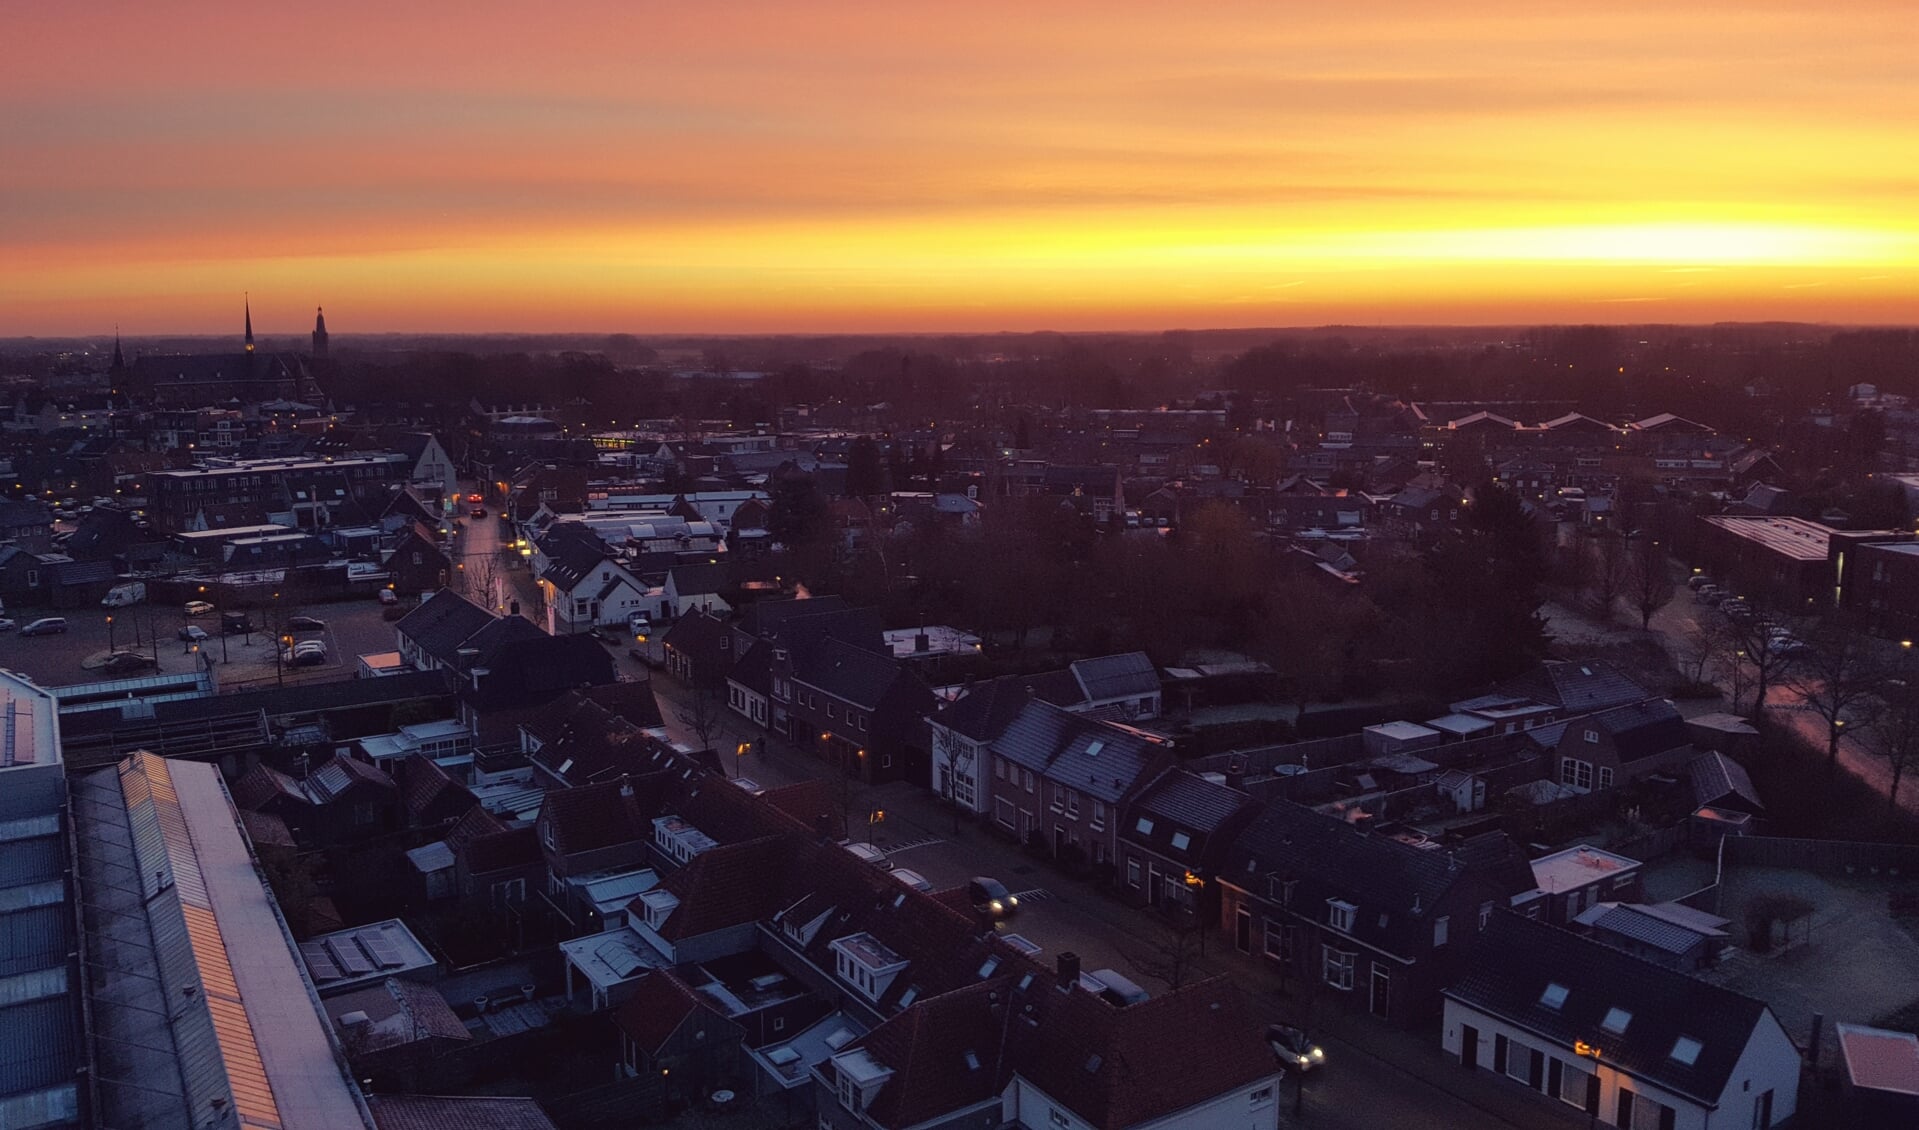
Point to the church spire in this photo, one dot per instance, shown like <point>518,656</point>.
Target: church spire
<point>319,332</point>
<point>119,359</point>
<point>249,305</point>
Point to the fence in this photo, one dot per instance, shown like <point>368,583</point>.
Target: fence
<point>1828,857</point>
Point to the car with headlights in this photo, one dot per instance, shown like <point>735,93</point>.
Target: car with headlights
<point>990,897</point>
<point>1295,1050</point>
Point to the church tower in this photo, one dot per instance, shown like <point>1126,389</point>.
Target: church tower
<point>319,333</point>
<point>249,306</point>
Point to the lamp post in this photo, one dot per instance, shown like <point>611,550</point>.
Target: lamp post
<point>109,635</point>
<point>1592,1052</point>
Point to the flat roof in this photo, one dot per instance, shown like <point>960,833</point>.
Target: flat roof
<point>363,955</point>
<point>1578,866</point>
<point>791,1063</point>
<point>612,957</point>
<point>1879,1059</point>
<point>1797,538</point>
<point>1402,731</point>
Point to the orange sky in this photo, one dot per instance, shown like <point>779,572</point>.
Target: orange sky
<point>747,167</point>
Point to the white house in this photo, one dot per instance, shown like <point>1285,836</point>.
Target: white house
<point>1632,1044</point>
<point>585,586</point>
<point>431,466</point>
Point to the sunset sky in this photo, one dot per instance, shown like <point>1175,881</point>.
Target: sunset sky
<point>977,165</point>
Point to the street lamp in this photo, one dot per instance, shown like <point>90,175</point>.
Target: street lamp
<point>109,634</point>
<point>1584,1050</point>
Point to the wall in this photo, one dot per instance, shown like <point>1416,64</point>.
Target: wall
<point>1689,1115</point>
<point>1031,1107</point>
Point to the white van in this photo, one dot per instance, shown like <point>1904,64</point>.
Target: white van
<point>120,596</point>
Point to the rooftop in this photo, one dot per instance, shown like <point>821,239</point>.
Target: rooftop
<point>362,955</point>
<point>1578,866</point>
<point>1798,538</point>
<point>1879,1059</point>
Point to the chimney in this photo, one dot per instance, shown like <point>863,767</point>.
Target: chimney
<point>465,657</point>
<point>1068,971</point>
<point>922,642</point>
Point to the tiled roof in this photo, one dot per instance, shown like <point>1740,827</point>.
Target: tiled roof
<point>698,636</point>
<point>594,816</point>
<point>944,1054</point>
<point>725,886</point>
<point>1128,675</point>
<point>524,671</point>
<point>1716,777</point>
<point>1383,878</point>
<point>1517,958</point>
<point>1121,1067</point>
<point>984,712</point>
<point>428,784</point>
<point>754,671</point>
<point>1643,729</point>
<point>498,851</point>
<point>1191,800</point>
<point>398,1012</point>
<point>851,674</point>
<point>1628,921</point>
<point>659,1004</point>
<point>699,580</point>
<point>1578,685</point>
<point>1101,760</point>
<point>456,1112</point>
<point>341,774</point>
<point>263,784</point>
<point>442,624</point>
<point>265,829</point>
<point>473,824</point>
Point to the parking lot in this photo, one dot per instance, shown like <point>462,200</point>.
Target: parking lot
<point>352,629</point>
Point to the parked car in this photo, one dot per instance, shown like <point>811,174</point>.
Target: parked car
<point>193,633</point>
<point>199,608</point>
<point>309,653</point>
<point>388,596</point>
<point>45,626</point>
<point>1699,581</point>
<point>990,897</point>
<point>6,625</point>
<point>235,623</point>
<point>867,853</point>
<point>912,879</point>
<point>477,512</point>
<point>1294,1048</point>
<point>126,662</point>
<point>305,624</point>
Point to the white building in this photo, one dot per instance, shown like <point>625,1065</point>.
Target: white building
<point>1629,1043</point>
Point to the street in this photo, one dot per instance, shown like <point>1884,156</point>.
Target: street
<point>1377,1077</point>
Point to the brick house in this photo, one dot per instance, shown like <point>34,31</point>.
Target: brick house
<point>1065,779</point>
<point>1615,746</point>
<point>860,709</point>
<point>1372,920</point>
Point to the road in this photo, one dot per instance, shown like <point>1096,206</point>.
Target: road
<point>1377,1077</point>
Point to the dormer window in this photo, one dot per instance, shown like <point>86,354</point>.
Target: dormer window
<point>1686,1050</point>
<point>1145,826</point>
<point>1616,1021</point>
<point>1339,915</point>
<point>1554,997</point>
<point>1592,737</point>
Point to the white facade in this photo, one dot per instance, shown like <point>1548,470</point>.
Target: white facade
<point>436,469</point>
<point>1769,1065</point>
<point>963,759</point>
<point>748,704</point>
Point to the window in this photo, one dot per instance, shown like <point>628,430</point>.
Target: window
<point>508,891</point>
<point>999,769</point>
<point>1181,841</point>
<point>1026,778</point>
<point>862,722</point>
<point>1132,872</point>
<point>1576,774</point>
<point>1572,1085</point>
<point>1686,1050</point>
<point>1099,815</point>
<point>1605,776</point>
<point>1262,1096</point>
<point>1554,996</point>
<point>1145,826</point>
<point>1616,1020</point>
<point>1056,1118</point>
<point>1072,804</point>
<point>1441,926</point>
<point>1339,915</point>
<point>1519,1062</point>
<point>1059,797</point>
<point>1339,968</point>
<point>849,1095</point>
<point>1592,737</point>
<point>1485,914</point>
<point>832,712</point>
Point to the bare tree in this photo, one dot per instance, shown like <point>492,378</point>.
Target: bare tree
<point>1895,736</point>
<point>1700,650</point>
<point>1754,659</point>
<point>1837,676</point>
<point>1612,571</point>
<point>1649,584</point>
<point>702,712</point>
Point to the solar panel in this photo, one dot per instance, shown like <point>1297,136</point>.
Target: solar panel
<point>382,951</point>
<point>348,956</point>
<point>318,963</point>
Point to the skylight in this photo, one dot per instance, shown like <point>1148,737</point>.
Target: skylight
<point>1093,749</point>
<point>986,969</point>
<point>1145,826</point>
<point>972,1060</point>
<point>1686,1050</point>
<point>1554,996</point>
<point>1616,1020</point>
